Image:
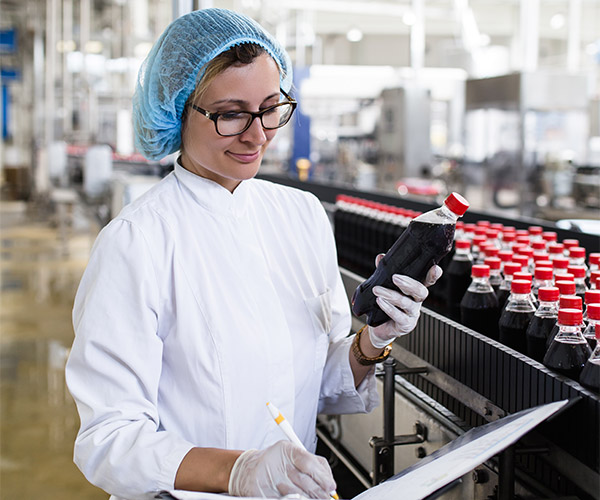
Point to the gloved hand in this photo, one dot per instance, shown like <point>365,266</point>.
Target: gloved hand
<point>403,307</point>
<point>281,469</point>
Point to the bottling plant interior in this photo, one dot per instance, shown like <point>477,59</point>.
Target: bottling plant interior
<point>375,239</point>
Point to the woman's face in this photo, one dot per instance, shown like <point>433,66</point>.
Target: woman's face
<point>230,160</point>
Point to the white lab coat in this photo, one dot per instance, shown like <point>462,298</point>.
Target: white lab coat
<point>199,306</point>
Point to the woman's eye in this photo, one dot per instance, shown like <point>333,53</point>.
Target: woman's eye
<point>231,115</point>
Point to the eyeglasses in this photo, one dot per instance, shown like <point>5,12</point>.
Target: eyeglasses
<point>232,123</point>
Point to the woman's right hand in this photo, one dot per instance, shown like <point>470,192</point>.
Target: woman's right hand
<point>281,469</point>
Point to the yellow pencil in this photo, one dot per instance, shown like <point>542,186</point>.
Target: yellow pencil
<point>285,426</point>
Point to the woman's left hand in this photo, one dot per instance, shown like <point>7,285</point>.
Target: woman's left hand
<point>403,306</point>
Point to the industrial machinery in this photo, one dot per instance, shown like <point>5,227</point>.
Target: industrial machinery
<point>444,379</point>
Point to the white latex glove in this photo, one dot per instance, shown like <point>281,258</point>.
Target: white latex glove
<point>281,469</point>
<point>403,307</point>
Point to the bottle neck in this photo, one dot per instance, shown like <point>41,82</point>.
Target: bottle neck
<point>570,334</point>
<point>481,285</point>
<point>547,310</point>
<point>520,302</point>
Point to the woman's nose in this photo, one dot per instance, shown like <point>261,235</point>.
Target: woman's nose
<point>255,133</point>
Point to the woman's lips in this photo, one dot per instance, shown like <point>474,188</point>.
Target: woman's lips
<point>245,157</point>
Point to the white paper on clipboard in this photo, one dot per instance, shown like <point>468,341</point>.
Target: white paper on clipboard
<point>460,456</point>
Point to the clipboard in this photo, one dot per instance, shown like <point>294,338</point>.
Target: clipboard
<point>442,470</point>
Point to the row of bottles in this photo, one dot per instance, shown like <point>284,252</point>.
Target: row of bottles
<point>497,280</point>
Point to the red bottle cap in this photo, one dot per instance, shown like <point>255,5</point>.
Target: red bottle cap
<point>535,230</point>
<point>561,262</point>
<point>509,236</point>
<point>570,302</point>
<point>537,256</point>
<point>594,276</point>
<point>522,232</point>
<point>511,268</point>
<point>544,263</point>
<point>492,234</point>
<point>505,255</point>
<point>480,271</point>
<point>481,231</point>
<point>491,251</point>
<point>593,311</point>
<point>548,294</point>
<point>497,226</point>
<point>464,244</point>
<point>484,223</point>
<point>566,287</point>
<point>569,317</point>
<point>523,239</point>
<point>549,236</point>
<point>493,262</point>
<point>525,251</point>
<point>539,245</point>
<point>577,271</point>
<point>523,260</point>
<point>523,276</point>
<point>594,259</point>
<point>543,273</point>
<point>570,243</point>
<point>469,227</point>
<point>556,248</point>
<point>457,203</point>
<point>478,240</point>
<point>520,286</point>
<point>577,252</point>
<point>592,296</point>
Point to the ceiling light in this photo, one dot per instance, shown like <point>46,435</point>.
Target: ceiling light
<point>557,21</point>
<point>354,35</point>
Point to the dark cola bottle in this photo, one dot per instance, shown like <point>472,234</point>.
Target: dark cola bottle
<point>510,268</point>
<point>566,302</point>
<point>516,316</point>
<point>569,351</point>
<point>423,244</point>
<point>479,306</point>
<point>590,375</point>
<point>458,277</point>
<point>593,324</point>
<point>542,323</point>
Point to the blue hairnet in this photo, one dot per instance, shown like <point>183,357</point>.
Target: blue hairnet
<point>176,64</point>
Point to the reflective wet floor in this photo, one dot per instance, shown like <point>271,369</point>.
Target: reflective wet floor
<point>42,258</point>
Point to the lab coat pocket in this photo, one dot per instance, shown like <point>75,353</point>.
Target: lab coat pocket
<point>319,309</point>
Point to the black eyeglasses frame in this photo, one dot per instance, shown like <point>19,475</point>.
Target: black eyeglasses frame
<point>215,116</point>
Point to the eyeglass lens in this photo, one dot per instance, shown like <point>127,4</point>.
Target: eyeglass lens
<point>235,122</point>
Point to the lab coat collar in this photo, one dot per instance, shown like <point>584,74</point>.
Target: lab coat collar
<point>212,196</point>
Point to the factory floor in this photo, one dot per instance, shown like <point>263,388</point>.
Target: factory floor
<point>43,254</point>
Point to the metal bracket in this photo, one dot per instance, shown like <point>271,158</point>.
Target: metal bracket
<point>383,447</point>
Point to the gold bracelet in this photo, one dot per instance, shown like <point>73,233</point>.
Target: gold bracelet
<point>360,356</point>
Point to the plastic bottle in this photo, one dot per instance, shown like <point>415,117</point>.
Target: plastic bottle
<point>479,308</point>
<point>542,323</point>
<point>495,276</point>
<point>425,241</point>
<point>560,267</point>
<point>594,280</point>
<point>577,257</point>
<point>594,260</point>
<point>591,297</point>
<point>566,287</point>
<point>458,277</point>
<point>549,237</point>
<point>535,232</point>
<point>523,260</point>
<point>593,323</point>
<point>556,250</point>
<point>527,276</point>
<point>565,302</point>
<point>568,244</point>
<point>516,316</point>
<point>510,268</point>
<point>578,273</point>
<point>590,375</point>
<point>569,351</point>
<point>541,277</point>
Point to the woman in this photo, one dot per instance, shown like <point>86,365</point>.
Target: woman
<point>215,293</point>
